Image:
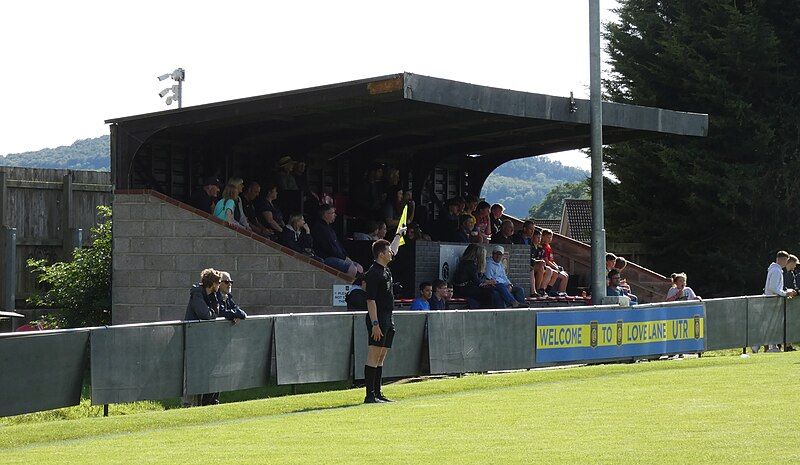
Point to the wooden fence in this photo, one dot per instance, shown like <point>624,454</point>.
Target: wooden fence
<point>47,206</point>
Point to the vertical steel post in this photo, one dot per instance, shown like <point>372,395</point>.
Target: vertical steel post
<point>596,113</point>
<point>9,268</point>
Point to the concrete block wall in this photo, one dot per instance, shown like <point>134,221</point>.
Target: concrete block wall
<point>161,245</point>
<point>426,263</point>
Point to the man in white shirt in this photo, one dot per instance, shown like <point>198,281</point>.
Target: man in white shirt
<point>513,296</point>
<point>774,285</point>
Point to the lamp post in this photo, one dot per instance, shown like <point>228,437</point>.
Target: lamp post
<point>596,122</point>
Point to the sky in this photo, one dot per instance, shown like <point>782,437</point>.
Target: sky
<point>68,66</point>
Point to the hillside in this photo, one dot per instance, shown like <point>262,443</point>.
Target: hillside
<point>84,154</point>
<point>519,184</point>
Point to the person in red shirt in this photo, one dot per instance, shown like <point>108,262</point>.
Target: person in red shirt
<point>559,275</point>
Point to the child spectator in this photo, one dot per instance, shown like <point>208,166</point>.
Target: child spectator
<point>466,226</point>
<point>441,294</point>
<point>226,205</point>
<point>611,260</point>
<point>541,274</point>
<point>356,297</point>
<point>559,275</point>
<point>495,217</point>
<point>679,289</point>
<point>425,293</point>
<point>297,236</point>
<point>483,223</point>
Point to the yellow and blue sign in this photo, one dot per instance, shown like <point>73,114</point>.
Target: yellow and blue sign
<point>609,334</point>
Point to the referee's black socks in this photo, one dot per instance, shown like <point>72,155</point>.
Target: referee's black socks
<point>377,384</point>
<point>369,380</point>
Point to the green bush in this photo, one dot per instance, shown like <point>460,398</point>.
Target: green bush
<point>81,288</point>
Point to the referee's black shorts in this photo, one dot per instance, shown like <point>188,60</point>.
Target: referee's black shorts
<point>386,324</point>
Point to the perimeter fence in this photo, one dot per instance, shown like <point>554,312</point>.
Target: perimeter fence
<point>46,370</point>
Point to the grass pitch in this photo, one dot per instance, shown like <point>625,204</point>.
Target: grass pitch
<point>712,410</point>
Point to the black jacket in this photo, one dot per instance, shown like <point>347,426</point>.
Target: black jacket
<point>228,308</point>
<point>356,299</point>
<point>202,306</point>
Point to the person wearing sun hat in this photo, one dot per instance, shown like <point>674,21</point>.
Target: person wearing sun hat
<point>285,178</point>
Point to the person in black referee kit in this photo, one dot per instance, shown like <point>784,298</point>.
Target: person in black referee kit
<point>380,325</point>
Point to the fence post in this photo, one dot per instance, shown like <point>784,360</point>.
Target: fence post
<point>3,198</point>
<point>66,215</point>
<point>77,238</point>
<point>9,268</point>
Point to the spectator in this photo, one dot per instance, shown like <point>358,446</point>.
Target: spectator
<point>204,305</point>
<point>505,235</point>
<point>483,223</point>
<point>774,284</point>
<point>620,264</point>
<point>226,205</point>
<point>466,226</point>
<point>270,213</point>
<point>393,209</point>
<point>541,274</point>
<point>238,211</point>
<point>251,208</point>
<point>612,288</point>
<point>297,236</point>
<point>441,294</point>
<point>425,293</point>
<point>525,235</point>
<point>512,296</point>
<point>375,230</point>
<point>327,245</point>
<point>790,282</point>
<point>228,307</point>
<point>447,224</point>
<point>559,275</point>
<point>679,289</point>
<point>205,197</point>
<point>286,180</point>
<point>496,215</point>
<point>471,204</point>
<point>611,260</point>
<point>467,282</point>
<point>356,297</point>
<point>301,179</point>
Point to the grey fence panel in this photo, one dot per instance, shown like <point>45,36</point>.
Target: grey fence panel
<point>446,342</point>
<point>42,372</point>
<point>405,357</point>
<point>764,320</point>
<point>221,356</point>
<point>313,348</point>
<point>793,320</point>
<point>515,339</point>
<point>726,323</point>
<point>142,362</point>
<point>480,341</point>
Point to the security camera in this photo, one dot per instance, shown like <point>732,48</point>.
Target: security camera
<point>164,76</point>
<point>164,92</point>
<point>169,100</point>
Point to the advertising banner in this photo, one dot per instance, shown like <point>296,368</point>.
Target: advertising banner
<point>609,334</point>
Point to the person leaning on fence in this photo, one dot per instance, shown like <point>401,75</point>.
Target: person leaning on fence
<point>379,320</point>
<point>790,282</point>
<point>204,305</point>
<point>679,289</point>
<point>774,285</point>
<point>228,308</point>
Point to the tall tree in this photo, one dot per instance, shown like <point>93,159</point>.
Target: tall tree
<point>553,203</point>
<point>717,207</point>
